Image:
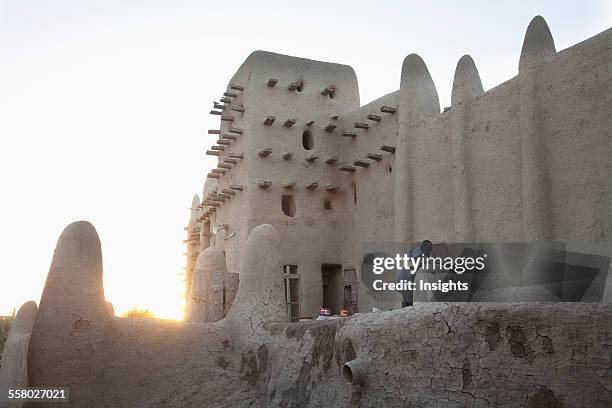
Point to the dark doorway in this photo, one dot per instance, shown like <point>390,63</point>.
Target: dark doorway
<point>333,288</point>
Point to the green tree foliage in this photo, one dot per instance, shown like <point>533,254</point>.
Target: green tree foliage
<point>137,313</point>
<point>5,326</point>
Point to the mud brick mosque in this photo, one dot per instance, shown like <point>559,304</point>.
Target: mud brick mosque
<point>305,175</point>
<point>528,160</point>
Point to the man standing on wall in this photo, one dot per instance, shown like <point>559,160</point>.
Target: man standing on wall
<point>424,250</point>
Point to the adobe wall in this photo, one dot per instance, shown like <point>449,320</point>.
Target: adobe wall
<point>367,194</point>
<point>469,354</point>
<point>528,160</point>
<point>576,98</point>
<point>574,157</point>
<point>14,367</point>
<point>572,102</point>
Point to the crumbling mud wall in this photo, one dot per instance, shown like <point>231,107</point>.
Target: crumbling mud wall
<point>473,355</point>
<point>14,369</point>
<point>463,355</point>
<point>520,162</point>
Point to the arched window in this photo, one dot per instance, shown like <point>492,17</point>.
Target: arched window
<point>288,205</point>
<point>307,140</point>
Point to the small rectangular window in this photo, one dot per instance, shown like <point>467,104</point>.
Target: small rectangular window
<point>292,292</point>
<point>288,205</point>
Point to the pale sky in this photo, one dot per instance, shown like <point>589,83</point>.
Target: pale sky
<point>104,108</point>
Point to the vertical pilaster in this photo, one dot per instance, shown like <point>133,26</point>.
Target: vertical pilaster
<point>536,206</point>
<point>466,86</point>
<point>418,105</point>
